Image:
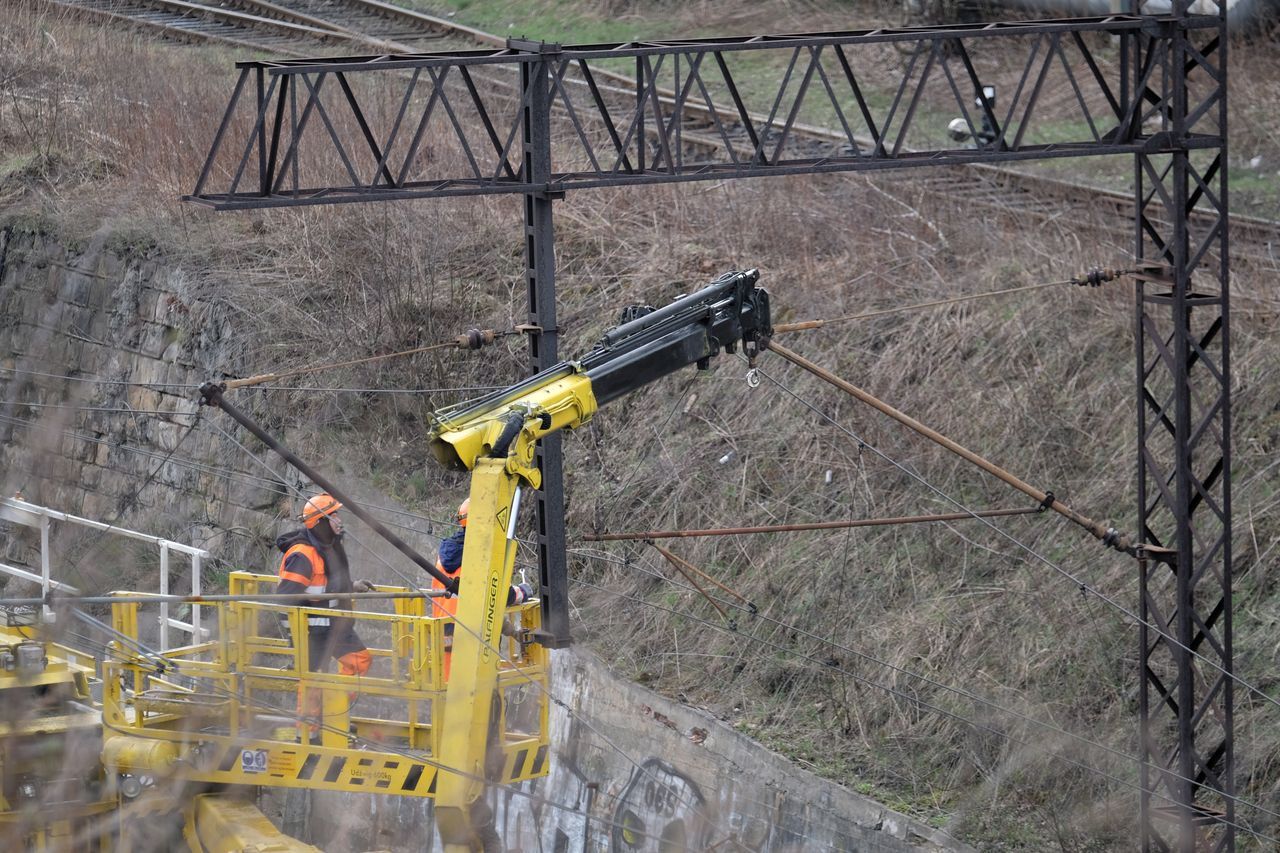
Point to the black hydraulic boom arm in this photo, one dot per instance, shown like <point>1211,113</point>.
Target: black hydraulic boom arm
<point>648,344</point>
<point>653,343</point>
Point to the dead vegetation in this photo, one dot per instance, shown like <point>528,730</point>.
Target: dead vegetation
<point>912,662</point>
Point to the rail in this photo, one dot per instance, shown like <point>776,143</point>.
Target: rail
<point>1255,239</point>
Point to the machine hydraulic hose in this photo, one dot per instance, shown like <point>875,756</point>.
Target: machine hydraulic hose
<point>648,345</point>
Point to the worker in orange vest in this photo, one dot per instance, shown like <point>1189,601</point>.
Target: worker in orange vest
<point>315,561</point>
<point>449,562</point>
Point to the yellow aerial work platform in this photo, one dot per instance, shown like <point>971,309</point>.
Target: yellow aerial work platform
<point>225,711</point>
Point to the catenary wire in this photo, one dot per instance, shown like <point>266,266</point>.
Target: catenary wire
<point>828,642</point>
<point>262,704</point>
<point>1095,278</point>
<point>820,639</point>
<point>1081,585</point>
<point>856,653</point>
<point>157,386</point>
<point>497,652</point>
<point>252,381</point>
<point>157,659</point>
<point>190,413</point>
<point>128,503</point>
<point>22,404</point>
<point>276,488</point>
<point>1040,557</point>
<point>97,380</point>
<point>862,655</point>
<point>223,472</point>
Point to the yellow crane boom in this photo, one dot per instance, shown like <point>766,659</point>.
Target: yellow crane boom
<point>495,439</point>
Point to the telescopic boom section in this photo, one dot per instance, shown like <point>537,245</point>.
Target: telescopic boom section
<point>649,344</point>
<point>494,438</point>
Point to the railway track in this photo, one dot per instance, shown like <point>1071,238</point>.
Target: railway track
<point>403,29</point>
<point>296,27</point>
<point>200,23</point>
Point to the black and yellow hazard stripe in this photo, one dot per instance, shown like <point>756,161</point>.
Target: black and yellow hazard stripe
<point>525,762</point>
<point>304,766</point>
<point>299,765</point>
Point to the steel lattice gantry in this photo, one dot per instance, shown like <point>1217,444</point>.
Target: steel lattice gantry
<point>379,128</point>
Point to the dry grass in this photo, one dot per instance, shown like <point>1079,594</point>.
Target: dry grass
<point>860,632</point>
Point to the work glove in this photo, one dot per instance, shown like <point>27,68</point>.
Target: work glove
<point>520,593</point>
<point>363,586</point>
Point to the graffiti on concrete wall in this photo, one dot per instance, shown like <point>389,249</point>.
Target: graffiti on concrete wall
<point>660,811</point>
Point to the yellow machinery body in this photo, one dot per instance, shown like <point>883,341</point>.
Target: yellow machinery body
<point>217,824</point>
<point>221,716</point>
<point>52,794</point>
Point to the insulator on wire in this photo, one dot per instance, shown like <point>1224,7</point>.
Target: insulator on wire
<point>476,338</point>
<point>1095,277</point>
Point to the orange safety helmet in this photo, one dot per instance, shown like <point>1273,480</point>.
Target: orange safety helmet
<point>317,508</point>
<point>462,511</point>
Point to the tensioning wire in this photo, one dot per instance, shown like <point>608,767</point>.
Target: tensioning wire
<point>262,704</point>
<point>1094,278</point>
<point>159,386</point>
<point>267,484</point>
<point>1083,586</point>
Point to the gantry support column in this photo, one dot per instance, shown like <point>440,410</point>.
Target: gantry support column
<point>1184,497</point>
<point>540,277</point>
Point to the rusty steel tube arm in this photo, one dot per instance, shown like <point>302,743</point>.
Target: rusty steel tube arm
<point>211,395</point>
<point>1108,536</point>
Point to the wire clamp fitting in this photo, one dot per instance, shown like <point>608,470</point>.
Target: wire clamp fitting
<point>753,378</point>
<point>532,329</point>
<point>1047,502</point>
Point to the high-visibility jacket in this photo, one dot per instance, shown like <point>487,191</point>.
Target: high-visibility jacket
<point>312,579</point>
<point>448,562</point>
<point>445,605</point>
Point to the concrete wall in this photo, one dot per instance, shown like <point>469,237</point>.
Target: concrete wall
<point>633,772</point>
<point>647,774</point>
<point>107,312</point>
